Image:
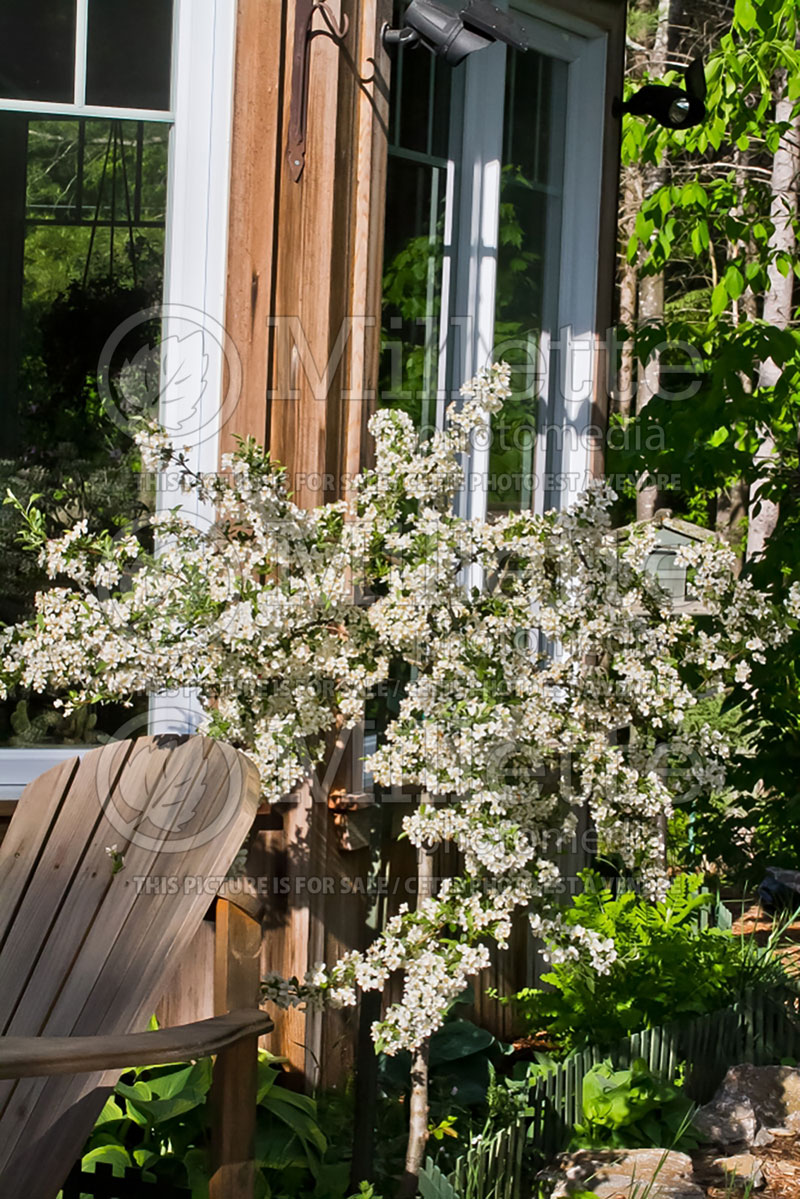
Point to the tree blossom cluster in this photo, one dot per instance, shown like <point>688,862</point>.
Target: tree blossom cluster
<point>548,671</point>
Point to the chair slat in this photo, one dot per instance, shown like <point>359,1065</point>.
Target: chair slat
<point>36,810</point>
<point>72,879</point>
<point>103,943</point>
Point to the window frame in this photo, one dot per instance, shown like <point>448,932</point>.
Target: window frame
<point>195,259</point>
<point>585,52</point>
<point>77,107</point>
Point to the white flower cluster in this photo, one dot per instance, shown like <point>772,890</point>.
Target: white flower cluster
<point>793,601</point>
<point>284,619</point>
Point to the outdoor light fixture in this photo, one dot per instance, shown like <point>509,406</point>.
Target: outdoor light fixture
<point>451,33</point>
<point>671,106</point>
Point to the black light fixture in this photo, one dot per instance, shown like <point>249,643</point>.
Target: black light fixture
<point>451,33</point>
<point>673,107</point>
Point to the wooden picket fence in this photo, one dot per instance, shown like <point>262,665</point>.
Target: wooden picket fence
<point>489,1170</point>
<point>761,1029</point>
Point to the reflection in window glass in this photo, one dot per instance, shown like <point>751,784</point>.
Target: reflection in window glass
<point>37,49</point>
<point>81,251</point>
<point>528,257</point>
<point>128,62</point>
<point>412,289</point>
<point>413,245</point>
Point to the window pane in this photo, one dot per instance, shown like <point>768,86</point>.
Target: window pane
<point>129,53</point>
<point>37,49</point>
<point>81,252</point>
<point>412,290</point>
<point>528,260</point>
<point>416,195</point>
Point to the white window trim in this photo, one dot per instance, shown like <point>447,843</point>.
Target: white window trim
<point>77,107</point>
<point>476,251</point>
<point>195,268</point>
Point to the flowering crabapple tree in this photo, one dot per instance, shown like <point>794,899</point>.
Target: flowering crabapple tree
<point>532,640</point>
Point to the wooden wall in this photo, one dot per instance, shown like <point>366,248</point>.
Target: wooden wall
<point>305,257</point>
<point>304,293</point>
<point>304,283</point>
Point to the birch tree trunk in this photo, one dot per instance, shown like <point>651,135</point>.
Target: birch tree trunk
<point>418,1106</point>
<point>777,303</point>
<point>651,287</point>
<point>631,202</point>
<point>731,505</point>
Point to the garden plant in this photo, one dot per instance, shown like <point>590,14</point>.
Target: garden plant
<point>533,641</point>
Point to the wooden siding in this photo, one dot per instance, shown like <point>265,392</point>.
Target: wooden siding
<point>303,309</point>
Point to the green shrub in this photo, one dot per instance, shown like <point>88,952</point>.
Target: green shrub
<point>668,967</point>
<point>157,1120</point>
<point>631,1109</point>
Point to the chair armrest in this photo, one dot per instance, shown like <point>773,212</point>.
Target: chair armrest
<point>29,1057</point>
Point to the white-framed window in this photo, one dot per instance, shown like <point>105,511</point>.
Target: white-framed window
<point>116,120</point>
<point>492,233</point>
<point>491,250</point>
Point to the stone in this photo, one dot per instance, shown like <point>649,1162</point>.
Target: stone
<point>727,1120</point>
<point>744,1169</point>
<point>626,1173</point>
<point>753,1104</point>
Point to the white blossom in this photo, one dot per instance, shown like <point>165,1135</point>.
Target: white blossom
<point>284,620</point>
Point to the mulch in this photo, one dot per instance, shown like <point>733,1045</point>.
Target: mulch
<point>755,922</point>
<point>780,1163</point>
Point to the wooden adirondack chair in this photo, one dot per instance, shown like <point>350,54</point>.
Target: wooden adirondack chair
<point>86,948</point>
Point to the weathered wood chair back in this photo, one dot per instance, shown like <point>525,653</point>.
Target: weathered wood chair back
<point>106,872</point>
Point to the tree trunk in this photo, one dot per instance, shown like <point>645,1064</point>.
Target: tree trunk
<point>732,503</point>
<point>418,1106</point>
<point>777,303</point>
<point>417,1122</point>
<point>651,287</point>
<point>631,202</point>
<point>731,512</point>
<point>369,1010</point>
<point>651,309</point>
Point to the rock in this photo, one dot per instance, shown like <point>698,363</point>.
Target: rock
<point>727,1120</point>
<point>753,1104</point>
<point>780,890</point>
<point>744,1169</point>
<point>626,1173</point>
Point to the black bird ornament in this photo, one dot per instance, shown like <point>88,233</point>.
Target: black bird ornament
<point>671,106</point>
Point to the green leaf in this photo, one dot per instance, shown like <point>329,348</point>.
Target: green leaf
<point>784,264</point>
<point>744,14</point>
<point>699,237</point>
<point>114,1155</point>
<point>145,1108</point>
<point>111,1113</point>
<point>299,1113</point>
<point>734,282</point>
<point>644,228</point>
<point>196,1163</point>
<point>165,1082</point>
<point>719,298</point>
<point>457,1039</point>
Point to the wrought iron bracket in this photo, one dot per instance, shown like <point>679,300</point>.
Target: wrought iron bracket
<point>298,113</point>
